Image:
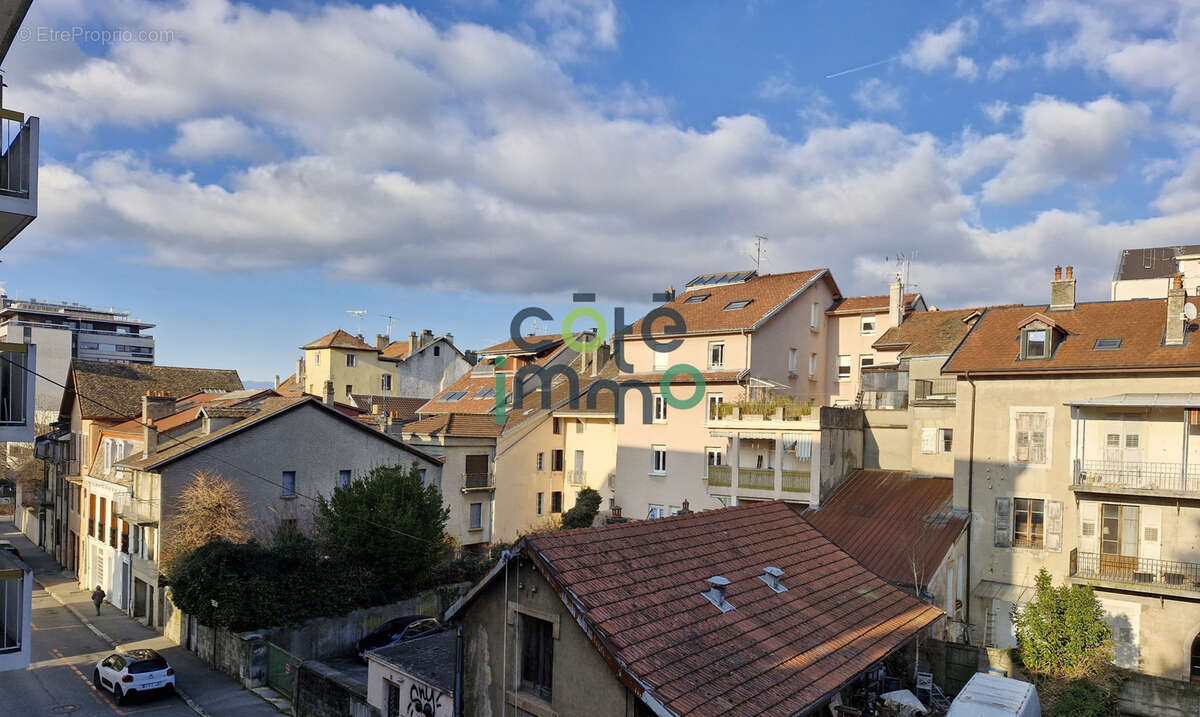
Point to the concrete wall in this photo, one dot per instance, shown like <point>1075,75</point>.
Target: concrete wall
<point>1148,696</point>
<point>518,481</point>
<point>597,438</point>
<point>842,447</point>
<point>582,683</point>
<point>322,691</point>
<point>887,440</point>
<point>53,362</point>
<point>417,697</point>
<point>426,375</point>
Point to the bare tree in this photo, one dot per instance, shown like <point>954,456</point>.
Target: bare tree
<point>208,508</point>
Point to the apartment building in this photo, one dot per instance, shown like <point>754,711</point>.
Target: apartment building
<point>856,323</point>
<point>1147,273</point>
<point>1073,452</point>
<point>753,339</point>
<point>420,367</point>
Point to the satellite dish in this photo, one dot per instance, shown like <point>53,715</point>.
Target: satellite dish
<point>1189,311</point>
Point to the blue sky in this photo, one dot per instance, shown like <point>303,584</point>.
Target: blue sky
<point>242,175</point>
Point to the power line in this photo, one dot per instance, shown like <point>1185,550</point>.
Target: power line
<point>180,441</point>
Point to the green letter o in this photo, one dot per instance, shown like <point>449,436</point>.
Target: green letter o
<point>568,335</point>
<point>665,386</point>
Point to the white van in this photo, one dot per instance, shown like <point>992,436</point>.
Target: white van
<point>987,695</point>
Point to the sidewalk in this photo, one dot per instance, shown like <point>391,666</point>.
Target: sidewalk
<point>206,691</point>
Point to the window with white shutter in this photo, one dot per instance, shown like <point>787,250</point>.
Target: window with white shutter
<point>1029,445</point>
<point>1054,522</point>
<point>929,440</point>
<point>1003,533</point>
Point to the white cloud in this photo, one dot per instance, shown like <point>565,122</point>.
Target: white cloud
<point>213,138</point>
<point>932,50</point>
<point>1001,66</point>
<point>875,95</point>
<point>576,25</point>
<point>1060,141</point>
<point>997,110</point>
<point>1182,192</point>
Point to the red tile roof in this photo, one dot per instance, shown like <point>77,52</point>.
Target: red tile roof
<point>510,348</point>
<point>457,424</point>
<point>859,304</point>
<point>766,294</point>
<point>929,333</point>
<point>405,407</point>
<point>339,339</point>
<point>395,350</point>
<point>887,519</point>
<point>993,346</point>
<point>635,588</point>
<point>115,390</point>
<point>471,402</point>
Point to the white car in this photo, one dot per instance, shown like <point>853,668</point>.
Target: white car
<point>127,673</point>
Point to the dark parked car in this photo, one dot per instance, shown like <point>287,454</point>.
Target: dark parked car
<point>398,629</point>
<point>8,547</point>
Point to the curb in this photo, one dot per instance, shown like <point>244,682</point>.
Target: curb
<point>191,703</point>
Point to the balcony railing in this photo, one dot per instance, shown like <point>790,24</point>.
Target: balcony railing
<point>720,476</point>
<point>760,479</point>
<point>478,481</point>
<point>140,511</point>
<point>797,482</point>
<point>937,389</point>
<point>15,163</point>
<point>756,478</point>
<point>577,477</point>
<point>1141,572</point>
<point>1138,475</point>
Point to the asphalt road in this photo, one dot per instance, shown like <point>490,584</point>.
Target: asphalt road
<point>59,678</point>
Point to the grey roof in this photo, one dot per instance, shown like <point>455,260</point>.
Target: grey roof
<point>1144,400</point>
<point>429,659</point>
<point>1151,262</point>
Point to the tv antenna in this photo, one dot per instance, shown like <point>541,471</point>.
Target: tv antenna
<point>904,267</point>
<point>390,319</point>
<point>759,252</point>
<point>358,315</point>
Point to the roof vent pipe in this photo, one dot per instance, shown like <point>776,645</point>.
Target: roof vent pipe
<point>771,577</point>
<point>716,593</point>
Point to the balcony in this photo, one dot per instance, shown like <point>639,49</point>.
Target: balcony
<point>17,364</point>
<point>478,481</point>
<point>720,476</point>
<point>139,511</point>
<point>1136,478</point>
<point>884,388</point>
<point>576,477</point>
<point>937,390</point>
<point>755,480</point>
<point>1158,577</point>
<point>18,173</point>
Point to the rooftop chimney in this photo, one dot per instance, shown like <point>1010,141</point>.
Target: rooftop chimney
<point>328,398</point>
<point>1176,321</point>
<point>686,509</point>
<point>154,406</point>
<point>277,381</point>
<point>716,593</point>
<point>376,408</point>
<point>449,337</point>
<point>1062,291</point>
<point>426,337</point>
<point>382,341</point>
<point>895,303</point>
<point>412,343</point>
<point>616,511</point>
<point>300,373</point>
<point>771,577</point>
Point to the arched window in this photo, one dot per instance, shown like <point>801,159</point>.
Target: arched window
<point>1196,660</point>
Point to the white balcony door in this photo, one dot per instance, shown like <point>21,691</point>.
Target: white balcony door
<point>579,466</point>
<point>1151,539</point>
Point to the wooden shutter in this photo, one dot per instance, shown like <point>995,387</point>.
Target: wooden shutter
<point>1054,525</point>
<point>1150,548</point>
<point>1037,438</point>
<point>929,440</point>
<point>1003,522</point>
<point>476,464</point>
<point>1089,527</point>
<point>1021,452</point>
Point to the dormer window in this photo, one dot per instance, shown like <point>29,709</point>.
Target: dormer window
<point>1034,344</point>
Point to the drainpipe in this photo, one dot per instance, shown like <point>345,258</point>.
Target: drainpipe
<point>970,503</point>
<point>458,672</point>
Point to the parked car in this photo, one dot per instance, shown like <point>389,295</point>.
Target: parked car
<point>398,629</point>
<point>136,671</point>
<point>7,546</point>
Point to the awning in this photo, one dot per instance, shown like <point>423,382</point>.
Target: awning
<point>1016,594</point>
<point>762,435</point>
<point>1143,400</point>
<point>798,436</point>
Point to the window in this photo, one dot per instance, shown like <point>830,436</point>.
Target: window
<point>476,516</point>
<point>735,305</point>
<point>1028,522</point>
<point>1034,341</point>
<point>316,359</point>
<point>556,501</point>
<point>556,459</point>
<point>696,298</point>
<point>393,700</point>
<point>654,512</point>
<point>716,456</point>
<point>844,368</point>
<point>287,525</point>
<point>812,366</point>
<point>716,354</point>
<point>868,324</point>
<point>349,389</point>
<point>541,503</point>
<point>814,321</point>
<point>579,425</point>
<point>673,510</point>
<point>437,350</point>
<point>1030,438</point>
<point>661,360</point>
<point>486,393</point>
<point>1131,440</point>
<point>350,359</point>
<point>541,461</point>
<point>343,479</point>
<point>658,465</point>
<point>1107,345</point>
<point>946,439</point>
<point>453,396</point>
<point>289,484</point>
<point>714,406</point>
<point>421,472</point>
<point>660,408</point>
<point>537,657</point>
<point>385,382</point>
<point>557,426</point>
<point>793,361</point>
<point>866,361</point>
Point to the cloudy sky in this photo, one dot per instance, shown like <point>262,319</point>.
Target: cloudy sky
<point>243,174</point>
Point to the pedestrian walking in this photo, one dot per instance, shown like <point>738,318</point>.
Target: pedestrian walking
<point>97,598</point>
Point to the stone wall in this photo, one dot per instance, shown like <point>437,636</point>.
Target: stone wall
<point>1149,696</point>
<point>322,691</point>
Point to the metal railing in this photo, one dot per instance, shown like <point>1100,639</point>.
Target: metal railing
<point>15,164</point>
<point>141,511</point>
<point>884,400</point>
<point>577,477</point>
<point>756,478</point>
<point>478,481</point>
<point>1139,475</point>
<point>65,327</point>
<point>797,481</point>
<point>720,476</point>
<point>943,389</point>
<point>1136,571</point>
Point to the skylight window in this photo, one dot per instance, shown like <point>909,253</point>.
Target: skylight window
<point>454,396</point>
<point>735,305</point>
<point>1107,345</point>
<point>486,393</point>
<point>696,298</point>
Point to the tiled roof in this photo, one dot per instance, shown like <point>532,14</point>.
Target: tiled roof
<point>339,339</point>
<point>886,519</point>
<point>115,390</point>
<point>289,385</point>
<point>994,343</point>
<point>188,409</point>
<point>510,348</point>
<point>471,402</point>
<point>766,294</point>
<point>859,304</point>
<point>457,424</point>
<point>395,350</point>
<point>928,333</point>
<point>709,377</point>
<point>635,588</point>
<point>1151,263</point>
<point>404,406</point>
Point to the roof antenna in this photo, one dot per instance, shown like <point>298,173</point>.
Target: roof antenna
<point>358,315</point>
<point>759,251</point>
<point>390,318</point>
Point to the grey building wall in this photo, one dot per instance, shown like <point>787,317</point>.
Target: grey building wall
<point>425,375</point>
<point>53,362</point>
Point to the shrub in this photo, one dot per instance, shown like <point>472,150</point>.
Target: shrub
<point>1061,633</point>
<point>587,504</point>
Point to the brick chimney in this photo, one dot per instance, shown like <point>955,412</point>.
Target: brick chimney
<point>328,398</point>
<point>155,405</point>
<point>1062,290</point>
<point>382,341</point>
<point>1176,321</point>
<point>686,509</point>
<point>426,337</point>
<point>300,373</point>
<point>412,343</point>
<point>895,303</point>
